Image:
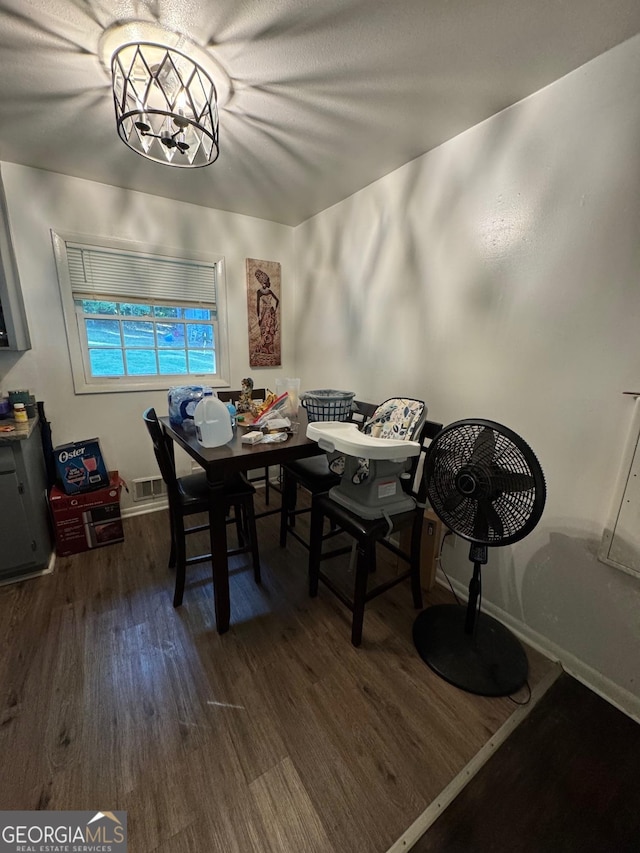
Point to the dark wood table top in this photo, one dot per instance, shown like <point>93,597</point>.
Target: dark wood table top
<point>234,457</point>
<point>220,464</point>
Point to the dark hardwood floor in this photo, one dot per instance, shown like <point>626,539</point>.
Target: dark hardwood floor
<point>277,736</point>
<point>566,780</point>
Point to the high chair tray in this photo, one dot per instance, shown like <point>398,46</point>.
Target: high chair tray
<point>346,438</point>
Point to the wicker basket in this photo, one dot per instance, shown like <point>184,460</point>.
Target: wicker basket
<point>327,405</point>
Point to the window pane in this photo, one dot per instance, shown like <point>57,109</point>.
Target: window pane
<point>132,309</point>
<point>142,331</point>
<point>202,361</point>
<point>172,361</point>
<point>141,362</point>
<point>198,314</point>
<point>138,334</point>
<point>103,333</point>
<point>93,306</point>
<point>170,334</point>
<point>167,311</point>
<point>199,335</point>
<point>106,362</point>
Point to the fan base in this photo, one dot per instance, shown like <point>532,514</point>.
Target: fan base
<point>489,662</point>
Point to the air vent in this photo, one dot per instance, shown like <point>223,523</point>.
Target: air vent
<point>148,488</point>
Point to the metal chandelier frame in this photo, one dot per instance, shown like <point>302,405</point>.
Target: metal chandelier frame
<point>165,98</point>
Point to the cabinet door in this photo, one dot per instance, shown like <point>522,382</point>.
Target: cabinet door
<point>16,541</point>
<point>14,332</point>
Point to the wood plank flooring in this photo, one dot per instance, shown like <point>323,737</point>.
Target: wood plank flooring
<point>277,736</point>
<point>565,780</point>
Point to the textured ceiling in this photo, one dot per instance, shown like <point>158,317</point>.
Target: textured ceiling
<point>326,95</point>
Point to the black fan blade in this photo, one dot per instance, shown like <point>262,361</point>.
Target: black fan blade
<point>491,514</point>
<point>487,517</point>
<point>444,459</point>
<point>484,447</point>
<point>452,501</point>
<point>480,523</point>
<point>506,481</point>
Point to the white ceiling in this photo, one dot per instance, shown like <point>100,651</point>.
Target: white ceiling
<point>327,95</point>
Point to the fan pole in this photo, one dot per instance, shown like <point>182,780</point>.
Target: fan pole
<point>478,556</point>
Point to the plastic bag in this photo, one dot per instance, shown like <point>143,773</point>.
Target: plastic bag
<point>274,437</point>
<point>280,408</point>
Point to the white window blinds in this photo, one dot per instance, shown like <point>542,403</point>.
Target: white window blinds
<point>96,271</point>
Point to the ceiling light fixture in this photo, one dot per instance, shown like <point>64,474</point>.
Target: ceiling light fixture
<point>165,99</point>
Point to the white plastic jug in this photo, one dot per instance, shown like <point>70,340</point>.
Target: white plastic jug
<point>213,422</point>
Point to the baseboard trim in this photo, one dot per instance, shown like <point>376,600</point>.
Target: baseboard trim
<point>30,575</point>
<point>613,693</point>
<point>417,829</point>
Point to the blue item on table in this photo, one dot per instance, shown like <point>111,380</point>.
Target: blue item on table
<point>182,403</point>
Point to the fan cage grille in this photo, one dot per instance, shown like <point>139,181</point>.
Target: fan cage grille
<point>501,472</point>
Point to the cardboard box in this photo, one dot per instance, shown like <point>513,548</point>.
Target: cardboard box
<point>432,532</point>
<point>80,467</point>
<point>85,521</point>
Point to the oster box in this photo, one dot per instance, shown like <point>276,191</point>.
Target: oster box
<point>87,520</point>
<point>80,466</point>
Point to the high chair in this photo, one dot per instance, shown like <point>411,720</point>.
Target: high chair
<point>371,503</point>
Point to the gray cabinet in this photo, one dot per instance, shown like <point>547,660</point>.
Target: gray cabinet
<point>25,540</point>
<point>14,333</point>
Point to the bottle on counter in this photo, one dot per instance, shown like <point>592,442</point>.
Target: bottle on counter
<point>20,413</point>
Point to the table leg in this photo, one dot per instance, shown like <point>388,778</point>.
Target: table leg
<point>219,562</point>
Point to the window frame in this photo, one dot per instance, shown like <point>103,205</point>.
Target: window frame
<point>77,345</point>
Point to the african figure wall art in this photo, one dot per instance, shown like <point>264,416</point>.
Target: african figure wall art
<point>264,314</point>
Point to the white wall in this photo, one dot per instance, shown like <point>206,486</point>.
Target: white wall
<point>495,277</point>
<point>499,277</point>
<point>39,201</point>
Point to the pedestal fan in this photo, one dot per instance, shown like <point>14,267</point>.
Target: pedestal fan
<point>486,484</point>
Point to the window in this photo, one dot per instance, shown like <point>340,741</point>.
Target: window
<point>138,321</point>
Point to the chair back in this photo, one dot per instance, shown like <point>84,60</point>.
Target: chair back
<point>400,418</point>
<point>361,412</point>
<point>234,396</point>
<point>162,452</point>
<point>418,481</point>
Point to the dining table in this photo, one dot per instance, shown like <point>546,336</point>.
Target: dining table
<point>221,464</point>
